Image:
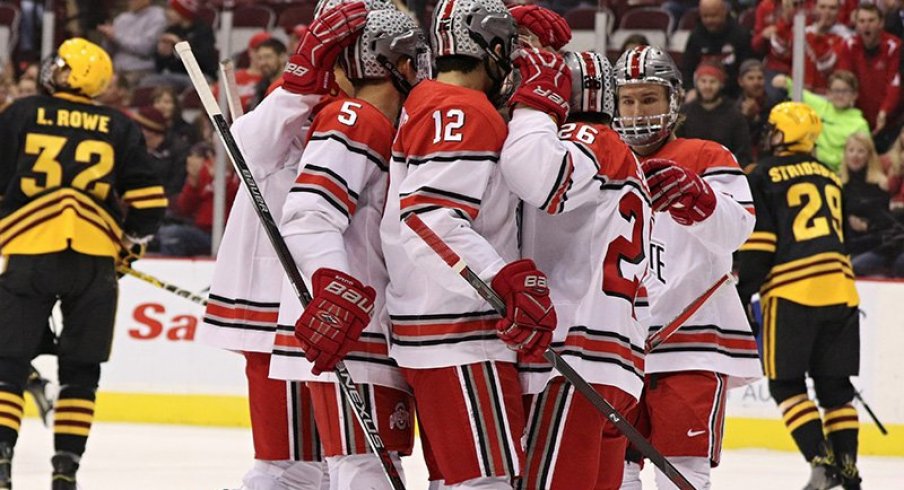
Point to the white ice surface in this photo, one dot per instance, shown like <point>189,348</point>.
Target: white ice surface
<point>171,457</point>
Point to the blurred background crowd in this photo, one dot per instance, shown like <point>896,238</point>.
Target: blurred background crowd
<point>735,58</point>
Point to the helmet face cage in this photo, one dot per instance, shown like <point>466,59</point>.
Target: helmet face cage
<point>648,65</point>
<point>388,37</point>
<point>90,69</point>
<point>592,83</point>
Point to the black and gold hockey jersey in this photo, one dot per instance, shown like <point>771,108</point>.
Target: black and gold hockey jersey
<point>797,251</point>
<point>66,165</point>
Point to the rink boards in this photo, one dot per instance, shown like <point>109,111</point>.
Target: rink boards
<point>157,372</point>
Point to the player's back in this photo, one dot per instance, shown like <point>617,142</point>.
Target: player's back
<point>799,211</point>
<point>64,164</point>
<point>444,168</point>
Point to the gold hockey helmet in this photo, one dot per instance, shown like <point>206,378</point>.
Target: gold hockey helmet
<point>90,68</point>
<point>798,124</point>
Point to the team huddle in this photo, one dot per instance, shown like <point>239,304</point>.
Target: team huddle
<point>548,204</point>
<point>395,167</point>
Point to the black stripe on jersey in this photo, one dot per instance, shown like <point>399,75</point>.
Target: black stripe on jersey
<point>381,164</point>
<point>587,152</point>
<point>489,157</point>
<point>334,175</point>
<point>668,348</point>
<point>243,326</point>
<point>326,197</point>
<point>590,333</point>
<point>607,360</point>
<point>703,328</point>
<point>558,184</point>
<point>440,192</point>
<point>246,302</point>
<point>723,171</point>
<point>618,185</point>
<point>456,340</point>
<point>445,316</point>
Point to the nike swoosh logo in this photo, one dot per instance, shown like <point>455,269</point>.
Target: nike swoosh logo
<point>695,433</point>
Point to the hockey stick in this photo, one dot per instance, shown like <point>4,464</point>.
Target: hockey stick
<point>227,75</point>
<point>201,300</point>
<point>871,414</point>
<point>486,292</point>
<point>346,384</point>
<point>667,331</point>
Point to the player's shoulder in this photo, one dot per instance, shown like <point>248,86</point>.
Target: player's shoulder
<point>354,120</point>
<point>475,111</point>
<point>613,157</point>
<point>703,156</point>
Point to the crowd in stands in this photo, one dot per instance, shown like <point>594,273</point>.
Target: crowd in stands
<point>735,57</point>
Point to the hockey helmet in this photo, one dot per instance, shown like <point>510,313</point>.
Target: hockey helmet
<point>389,35</point>
<point>648,65</point>
<point>592,84</point>
<point>477,28</point>
<point>90,68</point>
<point>798,124</point>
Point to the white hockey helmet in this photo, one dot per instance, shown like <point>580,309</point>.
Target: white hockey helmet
<point>592,83</point>
<point>389,35</point>
<point>476,28</point>
<point>648,65</point>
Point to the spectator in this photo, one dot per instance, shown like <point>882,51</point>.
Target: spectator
<point>717,37</point>
<point>167,156</point>
<point>636,39</point>
<point>166,101</point>
<point>26,88</point>
<point>131,39</point>
<point>753,103</point>
<point>184,25</point>
<point>118,94</point>
<point>271,59</point>
<point>196,202</point>
<point>824,42</point>
<point>247,79</point>
<point>295,36</point>
<point>836,110</point>
<point>866,200</point>
<point>874,56</point>
<point>893,165</point>
<point>894,18</point>
<point>712,116</point>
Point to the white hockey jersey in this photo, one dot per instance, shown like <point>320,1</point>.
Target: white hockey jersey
<point>686,260</point>
<point>444,168</point>
<point>245,290</point>
<point>331,219</point>
<point>588,230</point>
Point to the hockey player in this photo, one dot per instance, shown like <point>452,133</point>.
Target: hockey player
<point>595,180</point>
<point>65,165</point>
<point>797,261</point>
<point>244,301</point>
<point>703,214</point>
<point>331,223</point>
<point>450,343</point>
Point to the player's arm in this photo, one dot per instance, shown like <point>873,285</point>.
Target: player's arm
<point>757,253</point>
<point>734,216</point>
<point>445,185</point>
<point>339,162</point>
<point>139,186</point>
<point>9,147</point>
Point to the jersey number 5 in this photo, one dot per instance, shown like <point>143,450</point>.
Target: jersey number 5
<point>807,225</point>
<point>47,148</point>
<point>624,250</point>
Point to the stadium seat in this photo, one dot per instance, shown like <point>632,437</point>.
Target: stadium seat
<point>209,15</point>
<point>294,15</point>
<point>652,22</point>
<point>9,31</point>
<point>678,37</point>
<point>247,21</point>
<point>584,18</point>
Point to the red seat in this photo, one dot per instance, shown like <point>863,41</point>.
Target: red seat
<point>585,18</point>
<point>294,15</point>
<point>255,16</point>
<point>651,18</point>
<point>689,20</point>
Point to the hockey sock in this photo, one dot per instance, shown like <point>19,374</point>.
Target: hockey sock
<point>11,406</point>
<point>73,418</point>
<point>800,416</point>
<point>842,429</point>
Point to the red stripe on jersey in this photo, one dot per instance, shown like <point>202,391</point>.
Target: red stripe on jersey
<point>369,127</point>
<point>414,330</point>
<point>606,346</point>
<point>554,203</point>
<point>713,338</point>
<point>240,313</point>
<point>416,200</point>
<point>285,339</point>
<point>330,186</point>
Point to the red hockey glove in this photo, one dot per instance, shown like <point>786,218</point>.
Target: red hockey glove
<point>530,317</point>
<point>545,82</point>
<point>549,27</point>
<point>335,317</point>
<point>310,69</point>
<point>687,197</point>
